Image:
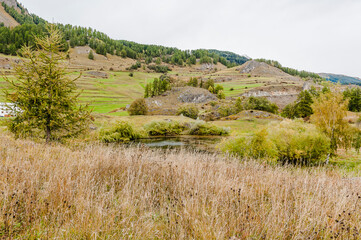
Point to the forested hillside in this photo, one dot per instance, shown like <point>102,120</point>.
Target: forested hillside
<point>11,41</point>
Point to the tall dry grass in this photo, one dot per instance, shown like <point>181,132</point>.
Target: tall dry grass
<point>99,192</point>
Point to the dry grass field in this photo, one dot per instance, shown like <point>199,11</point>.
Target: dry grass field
<point>112,192</point>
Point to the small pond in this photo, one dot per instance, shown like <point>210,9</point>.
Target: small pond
<point>195,143</point>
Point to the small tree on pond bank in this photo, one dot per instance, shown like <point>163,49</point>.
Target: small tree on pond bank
<point>329,112</point>
<point>44,93</point>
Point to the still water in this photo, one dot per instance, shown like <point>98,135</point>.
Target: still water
<point>195,143</point>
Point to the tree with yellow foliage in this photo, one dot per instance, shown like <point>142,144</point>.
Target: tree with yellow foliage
<point>330,110</point>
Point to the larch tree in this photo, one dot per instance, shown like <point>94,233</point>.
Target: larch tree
<point>329,112</point>
<point>44,94</point>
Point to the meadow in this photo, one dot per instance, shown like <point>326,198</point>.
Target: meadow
<point>113,192</point>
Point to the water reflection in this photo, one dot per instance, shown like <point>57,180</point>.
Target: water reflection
<point>197,143</point>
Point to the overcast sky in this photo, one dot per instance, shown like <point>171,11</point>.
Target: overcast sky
<point>313,35</point>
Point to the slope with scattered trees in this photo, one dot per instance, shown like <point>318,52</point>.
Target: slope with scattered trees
<point>291,71</point>
<point>12,40</point>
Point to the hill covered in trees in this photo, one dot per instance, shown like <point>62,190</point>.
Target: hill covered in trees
<point>11,41</point>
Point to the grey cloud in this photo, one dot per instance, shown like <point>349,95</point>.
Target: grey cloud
<point>319,36</point>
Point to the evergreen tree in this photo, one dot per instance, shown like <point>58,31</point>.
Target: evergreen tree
<point>354,96</point>
<point>91,55</point>
<point>193,82</point>
<point>44,94</point>
<point>303,107</point>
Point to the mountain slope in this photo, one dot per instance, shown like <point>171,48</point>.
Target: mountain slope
<point>5,18</point>
<point>342,79</point>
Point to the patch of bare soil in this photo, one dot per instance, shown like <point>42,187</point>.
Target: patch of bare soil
<point>8,63</point>
<point>97,74</point>
<point>263,69</point>
<point>170,101</point>
<point>79,60</point>
<point>5,18</point>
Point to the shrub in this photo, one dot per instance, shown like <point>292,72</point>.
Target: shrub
<point>227,110</point>
<point>202,128</point>
<point>261,104</point>
<point>257,146</point>
<point>193,82</point>
<point>131,74</point>
<point>164,128</point>
<point>121,132</point>
<point>299,143</point>
<point>138,107</point>
<point>136,66</point>
<point>218,88</point>
<point>291,142</point>
<point>214,103</point>
<point>159,68</point>
<point>221,95</point>
<point>190,111</point>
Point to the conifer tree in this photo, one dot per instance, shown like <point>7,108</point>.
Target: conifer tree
<point>91,55</point>
<point>44,93</point>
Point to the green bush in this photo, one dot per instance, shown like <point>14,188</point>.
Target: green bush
<point>164,128</point>
<point>159,68</point>
<point>227,110</point>
<point>292,142</point>
<point>221,95</point>
<point>297,142</point>
<point>261,104</point>
<point>218,88</point>
<point>136,66</point>
<point>120,132</point>
<point>189,110</point>
<point>138,107</point>
<point>257,146</point>
<point>201,128</point>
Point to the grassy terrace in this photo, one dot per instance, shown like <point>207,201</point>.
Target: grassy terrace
<point>105,95</point>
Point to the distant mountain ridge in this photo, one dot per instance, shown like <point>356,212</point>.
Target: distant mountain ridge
<point>342,79</point>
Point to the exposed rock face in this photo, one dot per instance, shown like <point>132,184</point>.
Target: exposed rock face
<point>11,3</point>
<point>251,65</point>
<point>196,96</point>
<point>255,68</point>
<point>281,95</point>
<point>170,101</point>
